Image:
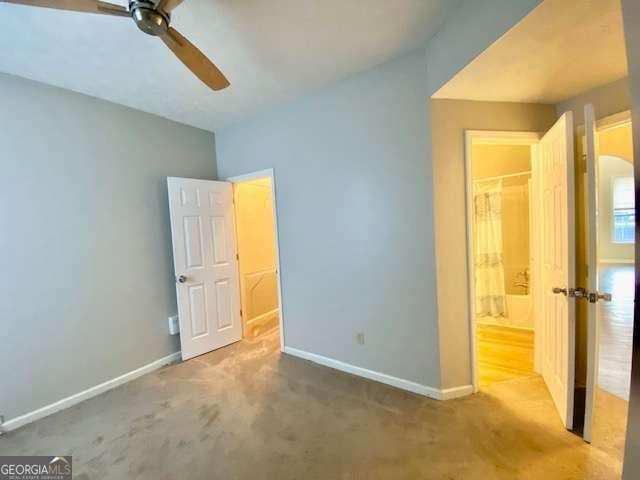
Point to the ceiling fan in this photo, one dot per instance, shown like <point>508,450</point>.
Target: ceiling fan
<point>153,19</point>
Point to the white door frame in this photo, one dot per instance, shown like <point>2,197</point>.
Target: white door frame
<point>269,173</point>
<point>503,138</point>
<point>591,192</point>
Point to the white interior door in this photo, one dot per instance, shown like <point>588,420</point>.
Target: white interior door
<point>591,192</point>
<point>558,265</point>
<point>205,263</point>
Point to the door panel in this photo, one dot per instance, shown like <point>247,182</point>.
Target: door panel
<point>591,193</point>
<point>204,253</point>
<point>558,269</point>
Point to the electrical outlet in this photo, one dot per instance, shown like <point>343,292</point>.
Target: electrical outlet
<point>360,338</point>
<point>174,325</point>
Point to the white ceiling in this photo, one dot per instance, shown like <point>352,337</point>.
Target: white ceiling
<point>271,51</point>
<point>561,49</point>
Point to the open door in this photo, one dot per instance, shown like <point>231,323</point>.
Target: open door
<point>591,295</point>
<point>557,335</point>
<point>205,263</point>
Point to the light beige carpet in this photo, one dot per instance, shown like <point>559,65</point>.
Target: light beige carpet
<point>248,412</point>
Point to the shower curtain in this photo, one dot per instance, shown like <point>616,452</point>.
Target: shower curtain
<point>489,268</point>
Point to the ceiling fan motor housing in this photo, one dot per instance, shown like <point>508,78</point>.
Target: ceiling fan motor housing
<point>148,19</point>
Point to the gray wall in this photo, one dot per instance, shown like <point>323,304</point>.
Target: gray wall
<point>606,100</point>
<point>86,284</point>
<point>467,31</point>
<point>631,13</point>
<point>353,190</point>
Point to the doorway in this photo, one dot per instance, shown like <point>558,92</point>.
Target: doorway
<point>520,250</point>
<point>615,225</point>
<point>501,229</point>
<point>258,258</point>
<point>216,307</point>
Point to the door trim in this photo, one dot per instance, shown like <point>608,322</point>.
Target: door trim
<point>268,173</point>
<point>497,138</point>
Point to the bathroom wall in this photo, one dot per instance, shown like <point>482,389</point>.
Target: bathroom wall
<point>496,160</point>
<point>515,233</point>
<point>491,160</point>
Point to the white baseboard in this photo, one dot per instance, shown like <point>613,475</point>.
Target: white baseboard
<point>88,393</point>
<point>456,392</point>
<point>400,383</point>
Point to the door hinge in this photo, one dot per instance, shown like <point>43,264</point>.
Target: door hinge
<point>237,257</point>
<point>584,163</point>
<point>240,312</point>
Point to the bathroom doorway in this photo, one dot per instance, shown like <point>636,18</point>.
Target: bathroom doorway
<point>258,258</point>
<point>501,227</point>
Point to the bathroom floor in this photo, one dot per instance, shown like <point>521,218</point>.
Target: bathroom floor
<point>504,353</point>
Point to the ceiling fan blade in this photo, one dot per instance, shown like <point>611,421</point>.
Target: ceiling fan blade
<point>168,5</point>
<point>195,60</point>
<point>88,6</point>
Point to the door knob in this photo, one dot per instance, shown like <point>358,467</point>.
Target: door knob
<point>563,291</point>
<point>595,296</point>
<point>181,278</point>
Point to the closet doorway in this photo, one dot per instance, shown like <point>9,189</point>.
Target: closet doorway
<point>258,257</point>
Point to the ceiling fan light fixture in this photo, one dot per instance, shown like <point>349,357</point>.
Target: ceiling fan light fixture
<point>148,19</point>
<point>153,18</point>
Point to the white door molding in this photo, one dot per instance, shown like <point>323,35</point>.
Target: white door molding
<point>487,137</point>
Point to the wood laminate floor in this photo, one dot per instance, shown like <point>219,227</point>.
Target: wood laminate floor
<point>503,353</point>
<point>616,328</point>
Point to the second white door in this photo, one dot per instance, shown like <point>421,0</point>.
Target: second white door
<point>206,265</point>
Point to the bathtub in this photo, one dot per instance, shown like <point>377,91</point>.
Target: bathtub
<point>519,313</point>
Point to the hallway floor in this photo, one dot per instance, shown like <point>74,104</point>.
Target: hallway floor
<point>249,412</point>
<point>616,328</point>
